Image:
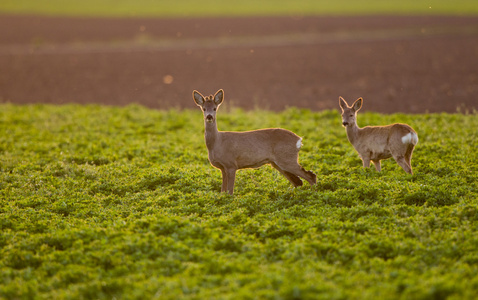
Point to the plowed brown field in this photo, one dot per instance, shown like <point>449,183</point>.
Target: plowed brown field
<point>397,64</point>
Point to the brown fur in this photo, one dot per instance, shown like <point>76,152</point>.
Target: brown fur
<point>230,151</point>
<point>374,143</point>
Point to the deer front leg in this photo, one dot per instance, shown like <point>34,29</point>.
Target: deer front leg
<point>377,165</point>
<point>224,181</point>
<point>366,162</point>
<point>231,177</point>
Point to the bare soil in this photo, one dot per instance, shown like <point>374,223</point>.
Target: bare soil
<point>397,64</point>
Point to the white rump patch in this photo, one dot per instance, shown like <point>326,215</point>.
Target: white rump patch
<point>299,143</point>
<point>410,138</point>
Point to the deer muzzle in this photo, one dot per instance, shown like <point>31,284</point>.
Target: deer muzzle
<point>209,118</point>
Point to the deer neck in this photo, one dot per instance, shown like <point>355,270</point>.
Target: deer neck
<point>210,134</point>
<point>353,133</point>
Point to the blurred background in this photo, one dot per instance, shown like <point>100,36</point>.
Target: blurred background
<point>400,56</point>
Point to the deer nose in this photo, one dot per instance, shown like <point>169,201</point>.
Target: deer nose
<point>345,123</point>
<point>209,118</point>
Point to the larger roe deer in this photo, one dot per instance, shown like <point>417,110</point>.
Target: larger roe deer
<point>374,143</point>
<point>230,151</point>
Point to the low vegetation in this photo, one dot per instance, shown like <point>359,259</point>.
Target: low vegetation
<point>107,202</point>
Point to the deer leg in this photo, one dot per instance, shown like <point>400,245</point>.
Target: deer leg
<point>408,157</point>
<point>297,170</point>
<point>231,177</point>
<point>224,181</point>
<point>310,176</point>
<point>403,163</point>
<point>377,165</point>
<point>366,162</point>
<point>295,180</point>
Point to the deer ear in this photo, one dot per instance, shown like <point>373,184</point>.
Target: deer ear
<point>198,98</point>
<point>218,97</point>
<point>357,104</point>
<point>342,103</point>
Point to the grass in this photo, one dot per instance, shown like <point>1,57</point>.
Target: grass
<point>107,202</point>
<point>192,8</point>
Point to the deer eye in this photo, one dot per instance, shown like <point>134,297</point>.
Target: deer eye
<point>214,109</point>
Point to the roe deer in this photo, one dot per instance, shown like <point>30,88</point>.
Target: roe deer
<point>230,151</point>
<point>374,143</point>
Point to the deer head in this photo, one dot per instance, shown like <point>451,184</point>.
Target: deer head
<point>349,113</point>
<point>209,104</point>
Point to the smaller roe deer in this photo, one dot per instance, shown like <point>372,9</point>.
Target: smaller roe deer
<point>374,143</point>
<point>230,151</point>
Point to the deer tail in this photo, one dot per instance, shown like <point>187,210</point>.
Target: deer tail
<point>410,138</point>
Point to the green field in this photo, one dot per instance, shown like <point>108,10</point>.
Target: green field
<point>105,202</point>
<point>193,8</point>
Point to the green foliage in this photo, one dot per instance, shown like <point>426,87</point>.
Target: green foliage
<point>192,8</point>
<point>106,202</point>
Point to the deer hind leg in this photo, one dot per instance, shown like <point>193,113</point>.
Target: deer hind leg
<point>403,154</point>
<point>297,170</point>
<point>311,175</point>
<point>402,162</point>
<point>408,157</point>
<point>377,165</point>
<point>294,179</point>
